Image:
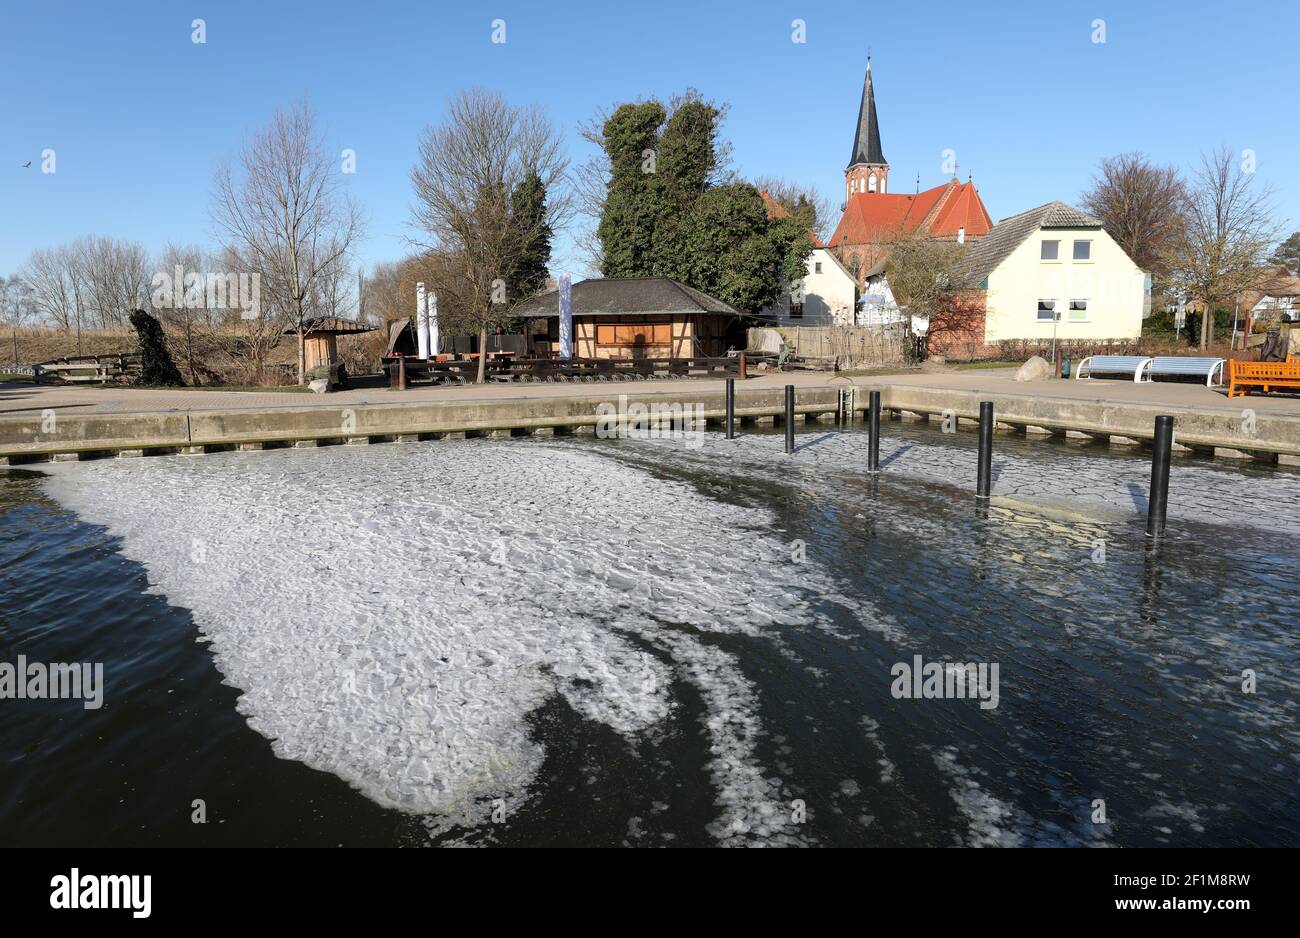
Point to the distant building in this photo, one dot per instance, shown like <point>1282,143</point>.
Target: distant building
<point>824,297</point>
<point>1055,265</point>
<point>634,317</point>
<point>873,216</point>
<point>1278,302</point>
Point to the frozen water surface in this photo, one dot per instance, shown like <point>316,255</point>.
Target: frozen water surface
<point>404,617</point>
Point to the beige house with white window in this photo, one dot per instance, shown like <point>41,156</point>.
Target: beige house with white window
<point>1054,266</point>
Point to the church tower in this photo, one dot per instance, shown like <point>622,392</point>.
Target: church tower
<point>868,172</point>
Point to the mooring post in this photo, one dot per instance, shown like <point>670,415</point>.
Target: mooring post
<point>401,374</point>
<point>984,479</point>
<point>731,408</point>
<point>873,431</point>
<point>740,365</point>
<point>789,418</point>
<point>1158,501</point>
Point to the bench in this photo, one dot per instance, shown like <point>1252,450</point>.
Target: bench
<point>1264,375</point>
<point>1179,366</point>
<point>1125,365</point>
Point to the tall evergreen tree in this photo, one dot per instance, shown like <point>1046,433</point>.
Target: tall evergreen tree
<point>627,224</point>
<point>667,216</point>
<point>528,209</point>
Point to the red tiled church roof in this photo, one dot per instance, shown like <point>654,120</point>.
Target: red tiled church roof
<point>872,217</point>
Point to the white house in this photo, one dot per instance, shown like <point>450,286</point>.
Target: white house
<point>1053,267</point>
<point>824,297</point>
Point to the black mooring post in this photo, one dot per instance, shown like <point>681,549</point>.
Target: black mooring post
<point>731,408</point>
<point>873,431</point>
<point>1161,448</point>
<point>789,418</point>
<point>984,479</point>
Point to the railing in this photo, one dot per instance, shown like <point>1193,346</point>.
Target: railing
<point>465,371</point>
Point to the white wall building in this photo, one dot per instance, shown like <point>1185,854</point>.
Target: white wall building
<point>824,297</point>
<point>1053,267</point>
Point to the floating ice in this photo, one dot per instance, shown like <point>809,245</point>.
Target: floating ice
<point>392,615</point>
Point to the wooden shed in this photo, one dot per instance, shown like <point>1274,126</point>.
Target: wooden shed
<point>320,342</point>
<point>634,317</point>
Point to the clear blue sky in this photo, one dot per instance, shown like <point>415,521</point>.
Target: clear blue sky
<point>139,115</point>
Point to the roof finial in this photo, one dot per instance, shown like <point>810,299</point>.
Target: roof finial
<point>918,183</point>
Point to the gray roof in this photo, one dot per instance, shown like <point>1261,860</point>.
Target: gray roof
<point>866,141</point>
<point>1007,235</point>
<point>630,296</point>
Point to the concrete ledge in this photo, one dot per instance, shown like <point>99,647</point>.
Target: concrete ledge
<point>73,436</point>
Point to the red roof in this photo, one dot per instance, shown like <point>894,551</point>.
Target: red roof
<point>872,217</point>
<point>776,210</point>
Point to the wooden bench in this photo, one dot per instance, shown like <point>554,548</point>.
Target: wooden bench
<point>1127,365</point>
<point>1178,365</point>
<point>1265,375</point>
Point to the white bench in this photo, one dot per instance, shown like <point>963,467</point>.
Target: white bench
<point>1198,367</point>
<point>1128,365</point>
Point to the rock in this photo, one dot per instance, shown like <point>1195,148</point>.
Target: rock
<point>1036,369</point>
<point>319,386</point>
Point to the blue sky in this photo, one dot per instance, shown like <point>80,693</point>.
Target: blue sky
<point>139,115</point>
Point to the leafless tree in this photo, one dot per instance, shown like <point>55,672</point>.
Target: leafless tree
<point>283,211</point>
<point>1140,205</point>
<point>16,306</point>
<point>116,278</point>
<point>58,294</point>
<point>927,279</point>
<point>1223,246</point>
<point>804,202</point>
<point>463,178</point>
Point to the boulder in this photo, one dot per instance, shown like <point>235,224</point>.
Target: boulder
<point>1036,369</point>
<point>319,386</point>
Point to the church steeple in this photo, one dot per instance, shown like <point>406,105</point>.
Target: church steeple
<point>867,169</point>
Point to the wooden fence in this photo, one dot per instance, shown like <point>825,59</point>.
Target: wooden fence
<point>848,346</point>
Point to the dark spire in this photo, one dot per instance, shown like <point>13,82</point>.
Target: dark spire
<point>866,142</point>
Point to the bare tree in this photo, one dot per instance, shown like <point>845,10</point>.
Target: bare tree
<point>55,276</point>
<point>284,213</point>
<point>463,179</point>
<point>1223,247</point>
<point>16,306</point>
<point>115,276</point>
<point>803,202</point>
<point>1140,205</point>
<point>927,279</point>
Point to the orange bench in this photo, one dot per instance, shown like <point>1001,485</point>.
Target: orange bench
<point>1265,375</point>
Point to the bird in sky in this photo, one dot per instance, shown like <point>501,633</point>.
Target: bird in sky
<point>28,163</point>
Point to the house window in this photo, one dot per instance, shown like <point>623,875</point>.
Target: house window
<point>1083,250</point>
<point>657,335</point>
<point>1078,310</point>
<point>1051,249</point>
<point>796,310</point>
<point>1046,310</point>
<point>817,267</point>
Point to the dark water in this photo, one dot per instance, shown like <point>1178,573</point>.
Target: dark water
<point>1119,681</point>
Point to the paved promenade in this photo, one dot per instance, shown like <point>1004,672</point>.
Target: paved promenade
<point>20,400</point>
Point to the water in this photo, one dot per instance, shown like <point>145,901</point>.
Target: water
<point>594,642</point>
